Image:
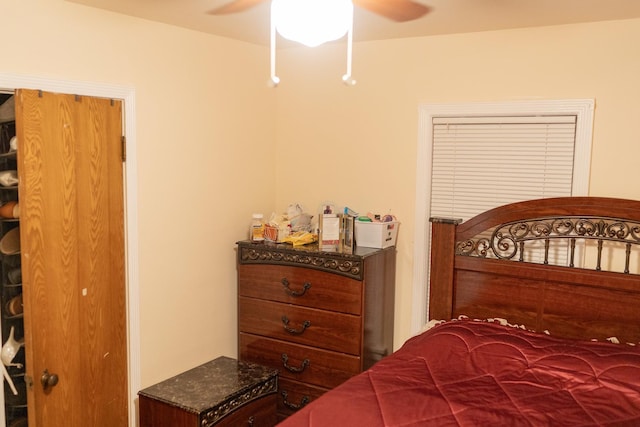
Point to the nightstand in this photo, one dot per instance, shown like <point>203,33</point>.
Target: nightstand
<point>223,393</point>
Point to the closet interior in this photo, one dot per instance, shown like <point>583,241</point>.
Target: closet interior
<point>12,352</point>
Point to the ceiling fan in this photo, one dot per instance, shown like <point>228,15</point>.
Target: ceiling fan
<point>396,10</point>
<point>313,22</point>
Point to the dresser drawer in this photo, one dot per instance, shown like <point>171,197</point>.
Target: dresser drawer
<point>259,413</point>
<point>293,395</point>
<point>302,363</point>
<point>302,325</point>
<point>301,286</point>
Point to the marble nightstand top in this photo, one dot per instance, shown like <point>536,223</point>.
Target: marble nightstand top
<point>220,385</point>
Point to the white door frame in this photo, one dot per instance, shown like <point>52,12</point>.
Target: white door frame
<point>127,94</point>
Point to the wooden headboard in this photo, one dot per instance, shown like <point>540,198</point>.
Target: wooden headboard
<point>481,268</point>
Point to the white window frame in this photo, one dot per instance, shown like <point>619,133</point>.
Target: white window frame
<point>583,109</point>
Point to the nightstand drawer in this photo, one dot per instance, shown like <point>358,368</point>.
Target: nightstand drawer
<point>308,364</point>
<point>301,286</point>
<point>259,413</point>
<point>302,325</point>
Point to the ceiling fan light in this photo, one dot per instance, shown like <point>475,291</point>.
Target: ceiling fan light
<point>312,22</point>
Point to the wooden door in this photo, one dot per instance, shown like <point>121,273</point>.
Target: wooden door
<point>72,236</point>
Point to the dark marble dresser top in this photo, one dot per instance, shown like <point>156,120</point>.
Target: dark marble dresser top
<point>213,384</point>
<point>309,256</point>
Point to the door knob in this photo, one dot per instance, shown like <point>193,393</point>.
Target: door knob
<point>48,380</point>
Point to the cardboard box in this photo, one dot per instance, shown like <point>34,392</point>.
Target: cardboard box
<point>376,234</point>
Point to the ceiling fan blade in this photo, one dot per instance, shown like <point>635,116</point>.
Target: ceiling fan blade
<point>235,6</point>
<point>396,10</point>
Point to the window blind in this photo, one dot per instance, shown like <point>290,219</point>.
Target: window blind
<point>479,163</point>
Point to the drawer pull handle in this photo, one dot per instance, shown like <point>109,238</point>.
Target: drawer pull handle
<point>250,421</point>
<point>294,369</point>
<point>302,404</point>
<point>285,323</point>
<point>290,292</point>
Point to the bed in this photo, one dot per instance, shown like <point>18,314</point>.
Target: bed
<point>535,317</point>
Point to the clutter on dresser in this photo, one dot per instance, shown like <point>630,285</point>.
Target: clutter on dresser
<point>376,231</point>
<point>293,226</point>
<point>300,238</point>
<point>277,228</point>
<point>329,229</point>
<point>334,228</point>
<point>256,229</point>
<point>371,230</point>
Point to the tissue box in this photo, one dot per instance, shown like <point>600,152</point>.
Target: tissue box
<point>376,234</point>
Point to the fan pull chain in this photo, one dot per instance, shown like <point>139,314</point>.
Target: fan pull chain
<point>347,79</point>
<point>274,80</point>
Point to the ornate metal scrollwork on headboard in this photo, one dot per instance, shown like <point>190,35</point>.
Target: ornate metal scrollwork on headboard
<point>507,241</point>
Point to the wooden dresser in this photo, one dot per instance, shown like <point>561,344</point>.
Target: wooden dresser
<point>317,317</point>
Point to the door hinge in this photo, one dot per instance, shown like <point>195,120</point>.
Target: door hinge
<point>123,139</point>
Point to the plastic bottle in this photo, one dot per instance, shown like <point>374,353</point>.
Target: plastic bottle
<point>256,230</point>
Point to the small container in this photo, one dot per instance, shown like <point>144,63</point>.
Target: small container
<point>256,230</point>
<point>270,233</point>
<point>376,234</point>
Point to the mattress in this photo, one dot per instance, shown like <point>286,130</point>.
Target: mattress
<point>473,373</point>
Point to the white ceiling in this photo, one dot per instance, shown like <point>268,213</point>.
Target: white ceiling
<point>447,16</point>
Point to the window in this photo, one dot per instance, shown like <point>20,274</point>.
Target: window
<point>482,162</point>
<point>472,157</point>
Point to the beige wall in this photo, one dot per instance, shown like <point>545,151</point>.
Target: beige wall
<point>361,141</point>
<point>203,114</point>
<point>214,143</point>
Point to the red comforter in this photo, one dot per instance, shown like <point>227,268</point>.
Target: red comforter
<point>469,373</point>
